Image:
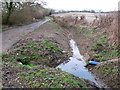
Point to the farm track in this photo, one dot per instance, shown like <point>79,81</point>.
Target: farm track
<point>12,36</point>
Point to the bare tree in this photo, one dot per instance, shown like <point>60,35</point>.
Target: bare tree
<point>9,7</point>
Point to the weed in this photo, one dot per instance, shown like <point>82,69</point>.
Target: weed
<point>3,55</point>
<point>95,28</point>
<point>99,44</point>
<point>94,48</point>
<point>116,53</point>
<point>83,27</point>
<point>58,79</point>
<point>29,66</point>
<point>37,85</point>
<point>31,72</point>
<point>107,70</point>
<point>35,57</point>
<point>58,69</point>
<point>100,54</point>
<point>32,45</point>
<point>52,46</point>
<point>87,63</point>
<point>105,52</point>
<point>110,55</point>
<point>101,59</point>
<point>24,59</point>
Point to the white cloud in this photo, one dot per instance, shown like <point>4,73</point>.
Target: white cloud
<point>104,5</point>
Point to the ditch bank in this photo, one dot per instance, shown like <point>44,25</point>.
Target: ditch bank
<point>30,62</point>
<point>46,47</point>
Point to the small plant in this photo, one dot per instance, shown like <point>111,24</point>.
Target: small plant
<point>105,52</point>
<point>35,57</point>
<point>3,54</point>
<point>37,85</point>
<point>94,48</point>
<point>116,53</point>
<point>87,63</point>
<point>100,54</point>
<point>51,46</point>
<point>24,59</point>
<point>32,45</point>
<point>101,59</point>
<point>95,28</point>
<point>99,44</point>
<point>83,27</point>
<point>58,69</point>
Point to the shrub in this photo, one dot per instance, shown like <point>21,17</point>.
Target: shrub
<point>26,14</point>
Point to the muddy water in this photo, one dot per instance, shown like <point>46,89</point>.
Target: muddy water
<point>75,64</point>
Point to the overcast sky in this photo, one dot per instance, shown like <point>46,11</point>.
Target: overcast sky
<point>104,5</point>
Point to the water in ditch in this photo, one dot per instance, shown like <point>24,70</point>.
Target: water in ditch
<point>76,64</point>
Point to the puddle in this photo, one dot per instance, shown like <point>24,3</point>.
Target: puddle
<point>75,64</point>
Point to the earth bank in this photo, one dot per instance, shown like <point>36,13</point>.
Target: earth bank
<point>93,43</point>
<point>30,62</point>
<point>48,46</point>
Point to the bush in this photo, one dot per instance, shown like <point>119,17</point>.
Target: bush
<point>26,14</point>
<point>21,17</point>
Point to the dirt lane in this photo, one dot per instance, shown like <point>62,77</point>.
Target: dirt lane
<point>12,36</point>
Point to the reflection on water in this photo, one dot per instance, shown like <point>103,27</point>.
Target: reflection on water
<point>75,64</point>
